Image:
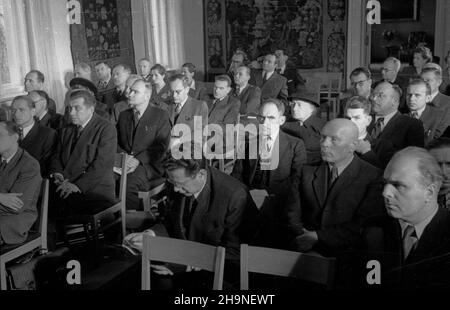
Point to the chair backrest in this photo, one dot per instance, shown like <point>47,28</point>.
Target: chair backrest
<point>121,162</point>
<point>309,267</point>
<point>43,216</point>
<point>182,252</point>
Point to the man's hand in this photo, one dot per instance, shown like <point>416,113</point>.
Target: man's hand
<point>161,270</point>
<point>363,147</point>
<point>67,189</point>
<point>190,269</point>
<point>132,164</point>
<point>58,178</point>
<point>306,241</point>
<point>11,201</point>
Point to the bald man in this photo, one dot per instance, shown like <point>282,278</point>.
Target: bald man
<point>390,130</point>
<point>412,243</point>
<point>336,196</point>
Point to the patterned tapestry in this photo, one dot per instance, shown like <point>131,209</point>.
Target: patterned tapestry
<point>105,33</point>
<point>312,32</point>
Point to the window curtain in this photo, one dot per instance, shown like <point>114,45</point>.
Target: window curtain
<point>164,37</point>
<point>42,45</point>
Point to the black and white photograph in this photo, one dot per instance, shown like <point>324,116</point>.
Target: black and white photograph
<point>224,152</point>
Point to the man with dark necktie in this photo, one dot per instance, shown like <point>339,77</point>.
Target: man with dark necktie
<point>336,197</point>
<point>37,140</point>
<point>143,133</point>
<point>435,120</point>
<point>248,95</point>
<point>390,130</point>
<point>82,166</point>
<point>412,244</point>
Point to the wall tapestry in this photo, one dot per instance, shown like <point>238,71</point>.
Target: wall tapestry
<point>105,33</point>
<point>312,32</point>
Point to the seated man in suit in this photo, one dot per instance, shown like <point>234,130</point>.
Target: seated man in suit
<point>272,84</point>
<point>105,82</point>
<point>412,244</point>
<point>143,133</point>
<point>185,110</point>
<point>120,75</point>
<point>440,149</point>
<point>197,89</point>
<point>223,109</point>
<point>274,169</point>
<point>83,70</point>
<point>433,77</point>
<point>238,59</point>
<point>391,130</point>
<point>37,140</point>
<point>82,166</point>
<point>144,66</point>
<point>20,184</point>
<point>336,197</point>
<point>361,82</point>
<point>43,115</point>
<point>434,120</point>
<point>306,125</point>
<point>284,68</point>
<point>34,80</point>
<point>358,110</point>
<point>248,95</point>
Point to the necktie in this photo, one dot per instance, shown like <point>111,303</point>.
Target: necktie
<point>334,174</point>
<point>20,134</point>
<point>189,210</point>
<point>377,129</point>
<point>409,240</point>
<point>76,137</point>
<point>3,165</point>
<point>265,77</point>
<point>135,118</point>
<point>414,114</point>
<point>268,143</point>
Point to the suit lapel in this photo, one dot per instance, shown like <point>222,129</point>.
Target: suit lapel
<point>31,136</point>
<point>345,179</point>
<point>320,183</point>
<point>13,162</point>
<point>186,110</point>
<point>142,128</point>
<point>86,134</point>
<point>389,126</point>
<point>129,123</point>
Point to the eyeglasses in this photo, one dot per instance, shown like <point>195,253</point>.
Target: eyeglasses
<point>360,83</point>
<point>378,95</point>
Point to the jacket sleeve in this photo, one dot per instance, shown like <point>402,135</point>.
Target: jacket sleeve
<point>48,150</point>
<point>416,134</point>
<point>254,102</point>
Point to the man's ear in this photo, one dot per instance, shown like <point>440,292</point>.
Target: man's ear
<point>282,120</point>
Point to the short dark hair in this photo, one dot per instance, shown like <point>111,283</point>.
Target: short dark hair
<point>180,77</point>
<point>363,70</point>
<point>358,102</point>
<point>416,82</point>
<point>25,98</point>
<point>39,74</point>
<point>440,143</point>
<point>11,127</point>
<point>191,166</point>
<point>190,66</point>
<point>280,105</point>
<point>125,67</point>
<point>223,78</point>
<point>89,99</point>
<point>161,70</point>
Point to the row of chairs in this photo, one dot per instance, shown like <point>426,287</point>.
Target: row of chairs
<point>310,267</point>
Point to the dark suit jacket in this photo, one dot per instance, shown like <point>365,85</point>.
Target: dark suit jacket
<point>337,217</point>
<point>90,166</point>
<point>200,92</point>
<point>292,156</point>
<point>162,99</point>
<point>224,112</point>
<point>250,99</point>
<point>441,101</point>
<point>191,108</point>
<point>21,175</point>
<point>434,121</point>
<point>310,134</point>
<point>274,87</point>
<point>52,121</point>
<point>150,140</point>
<point>293,78</point>
<point>223,203</point>
<point>40,142</point>
<point>425,267</point>
<point>104,93</point>
<point>401,131</point>
<point>112,97</point>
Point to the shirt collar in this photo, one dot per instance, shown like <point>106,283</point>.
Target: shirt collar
<point>342,166</point>
<point>419,112</point>
<point>43,115</point>
<point>192,85</point>
<point>196,195</point>
<point>26,130</point>
<point>387,118</point>
<point>268,74</point>
<point>419,227</point>
<point>184,102</point>
<point>87,122</point>
<point>9,158</point>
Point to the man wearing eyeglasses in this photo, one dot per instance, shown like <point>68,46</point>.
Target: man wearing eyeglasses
<point>43,115</point>
<point>389,126</point>
<point>273,170</point>
<point>361,82</point>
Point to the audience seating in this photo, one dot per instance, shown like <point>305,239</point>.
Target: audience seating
<point>35,240</point>
<point>95,224</point>
<point>182,252</point>
<point>141,220</point>
<point>309,267</point>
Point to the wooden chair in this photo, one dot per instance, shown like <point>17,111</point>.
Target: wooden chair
<point>329,89</point>
<point>97,223</point>
<point>182,252</point>
<point>35,240</point>
<point>136,220</point>
<point>309,267</point>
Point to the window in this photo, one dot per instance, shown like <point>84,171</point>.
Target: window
<point>14,58</point>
